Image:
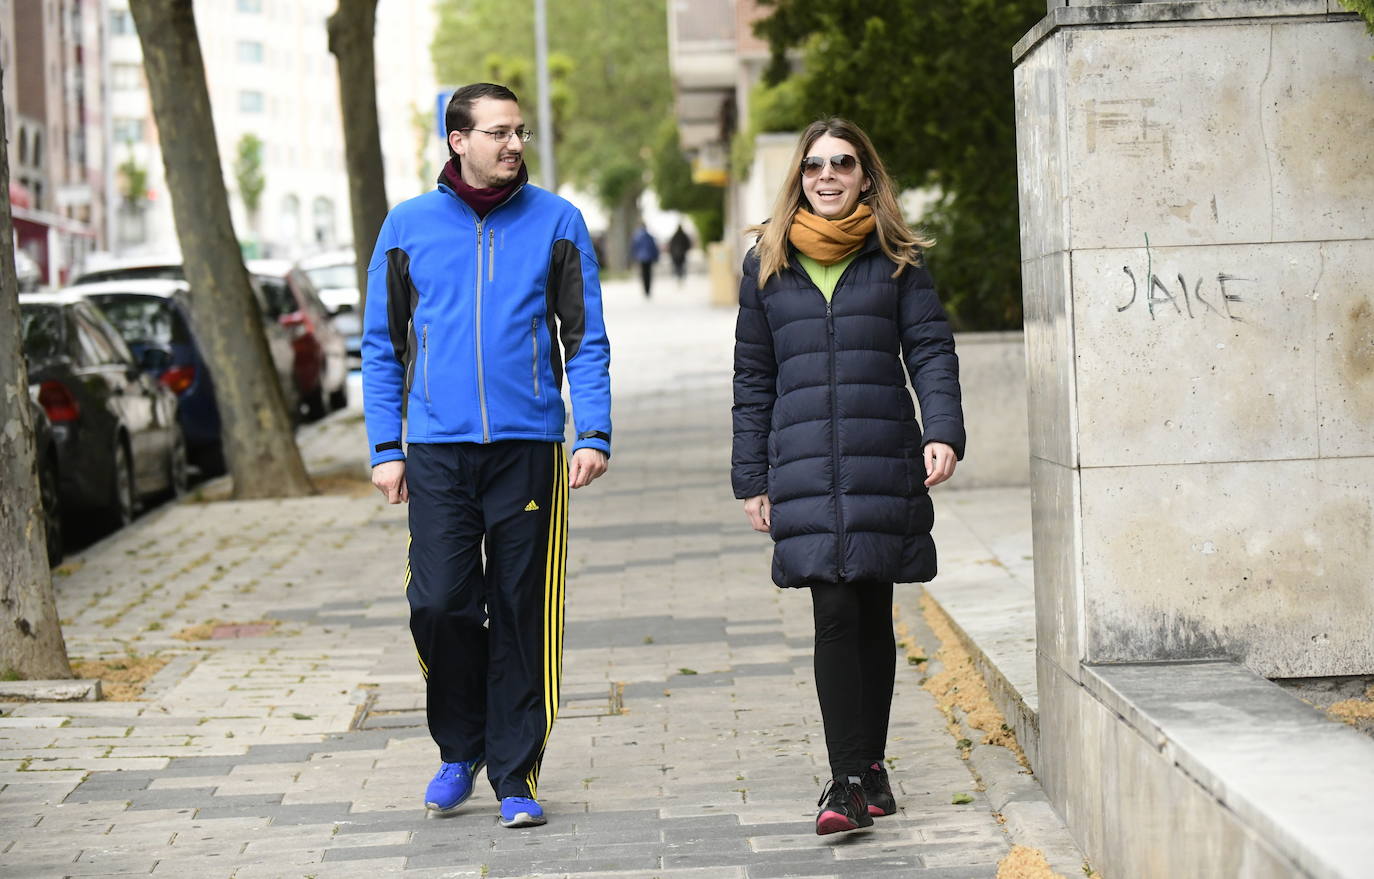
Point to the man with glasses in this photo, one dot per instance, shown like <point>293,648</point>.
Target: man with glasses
<point>480,296</point>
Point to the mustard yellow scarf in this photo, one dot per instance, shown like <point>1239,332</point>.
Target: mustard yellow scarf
<point>829,241</point>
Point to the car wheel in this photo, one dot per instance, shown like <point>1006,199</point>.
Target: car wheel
<point>177,468</point>
<point>339,399</point>
<point>209,459</point>
<point>119,507</point>
<point>314,402</point>
<point>50,493</point>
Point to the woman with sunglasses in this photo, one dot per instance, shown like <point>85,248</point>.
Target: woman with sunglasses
<point>828,455</point>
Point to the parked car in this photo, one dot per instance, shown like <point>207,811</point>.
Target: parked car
<point>114,428</point>
<point>49,480</point>
<point>161,266</point>
<point>155,316</point>
<point>333,275</point>
<point>321,364</point>
<point>170,268</point>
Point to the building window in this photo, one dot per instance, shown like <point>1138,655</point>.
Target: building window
<point>291,219</point>
<point>323,211</point>
<point>250,102</point>
<point>125,77</point>
<point>128,130</point>
<point>252,6</point>
<point>250,52</point>
<point>121,23</point>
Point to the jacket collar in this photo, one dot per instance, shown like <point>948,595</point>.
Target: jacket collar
<point>477,200</point>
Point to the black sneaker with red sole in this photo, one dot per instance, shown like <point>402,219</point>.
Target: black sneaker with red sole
<point>843,807</point>
<point>878,791</point>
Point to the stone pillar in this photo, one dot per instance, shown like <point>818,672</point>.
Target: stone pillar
<point>1197,237</point>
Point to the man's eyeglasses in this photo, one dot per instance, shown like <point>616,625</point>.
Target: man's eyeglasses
<point>841,162</point>
<point>503,135</point>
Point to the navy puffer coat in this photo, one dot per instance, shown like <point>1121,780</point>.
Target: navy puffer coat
<point>824,424</point>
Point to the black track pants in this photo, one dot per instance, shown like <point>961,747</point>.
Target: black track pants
<point>856,666</point>
<point>488,619</point>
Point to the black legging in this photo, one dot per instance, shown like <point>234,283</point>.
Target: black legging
<point>856,665</point>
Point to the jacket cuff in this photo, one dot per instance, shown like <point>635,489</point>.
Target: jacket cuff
<point>387,455</point>
<point>593,442</point>
<point>935,435</point>
<point>747,488</point>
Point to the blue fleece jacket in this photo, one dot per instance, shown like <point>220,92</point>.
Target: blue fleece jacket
<point>470,324</point>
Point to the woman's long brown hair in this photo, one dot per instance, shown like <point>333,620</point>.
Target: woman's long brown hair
<point>901,244</point>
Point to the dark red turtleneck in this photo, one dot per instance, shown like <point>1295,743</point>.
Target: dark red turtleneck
<point>480,200</point>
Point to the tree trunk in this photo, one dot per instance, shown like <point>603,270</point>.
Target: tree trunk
<point>620,226</point>
<point>351,30</point>
<point>257,432</point>
<point>31,644</point>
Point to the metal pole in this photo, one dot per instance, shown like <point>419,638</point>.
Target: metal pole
<point>547,172</point>
<point>107,149</point>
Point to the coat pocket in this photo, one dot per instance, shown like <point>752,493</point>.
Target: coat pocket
<point>534,340</point>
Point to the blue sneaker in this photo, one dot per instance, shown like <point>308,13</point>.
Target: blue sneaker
<point>521,812</point>
<point>452,784</point>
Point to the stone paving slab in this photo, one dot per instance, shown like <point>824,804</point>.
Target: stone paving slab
<point>690,744</point>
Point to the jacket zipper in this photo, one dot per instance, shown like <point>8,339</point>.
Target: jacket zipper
<point>481,377</point>
<point>491,254</point>
<point>424,345</point>
<point>534,337</point>
<point>834,407</point>
<point>835,438</point>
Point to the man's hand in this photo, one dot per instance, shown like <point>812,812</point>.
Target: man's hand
<point>390,479</point>
<point>760,512</point>
<point>586,465</point>
<point>940,461</point>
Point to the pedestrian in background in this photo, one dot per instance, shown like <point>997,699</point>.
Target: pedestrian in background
<point>678,246</point>
<point>644,250</point>
<point>828,456</point>
<point>484,469</point>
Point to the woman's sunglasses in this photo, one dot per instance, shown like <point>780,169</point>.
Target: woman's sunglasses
<point>842,162</point>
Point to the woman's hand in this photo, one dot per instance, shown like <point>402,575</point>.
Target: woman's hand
<point>759,511</point>
<point>940,461</point>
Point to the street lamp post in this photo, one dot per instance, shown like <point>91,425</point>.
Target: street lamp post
<point>547,172</point>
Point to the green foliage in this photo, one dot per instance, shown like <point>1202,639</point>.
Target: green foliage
<point>134,180</point>
<point>1365,9</point>
<point>608,65</point>
<point>248,172</point>
<point>776,107</point>
<point>672,180</point>
<point>941,114</point>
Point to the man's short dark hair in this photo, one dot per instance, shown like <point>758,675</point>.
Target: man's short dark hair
<point>458,114</point>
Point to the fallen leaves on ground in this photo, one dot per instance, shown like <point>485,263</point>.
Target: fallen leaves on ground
<point>1351,710</point>
<point>960,685</point>
<point>122,678</point>
<point>1025,863</point>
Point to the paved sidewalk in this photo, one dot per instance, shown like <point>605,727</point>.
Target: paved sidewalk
<point>689,743</point>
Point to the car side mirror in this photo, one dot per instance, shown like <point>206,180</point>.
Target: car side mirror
<point>155,358</point>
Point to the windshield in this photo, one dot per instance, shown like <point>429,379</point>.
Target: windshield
<point>337,277</point>
<point>141,319</point>
<point>41,327</point>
